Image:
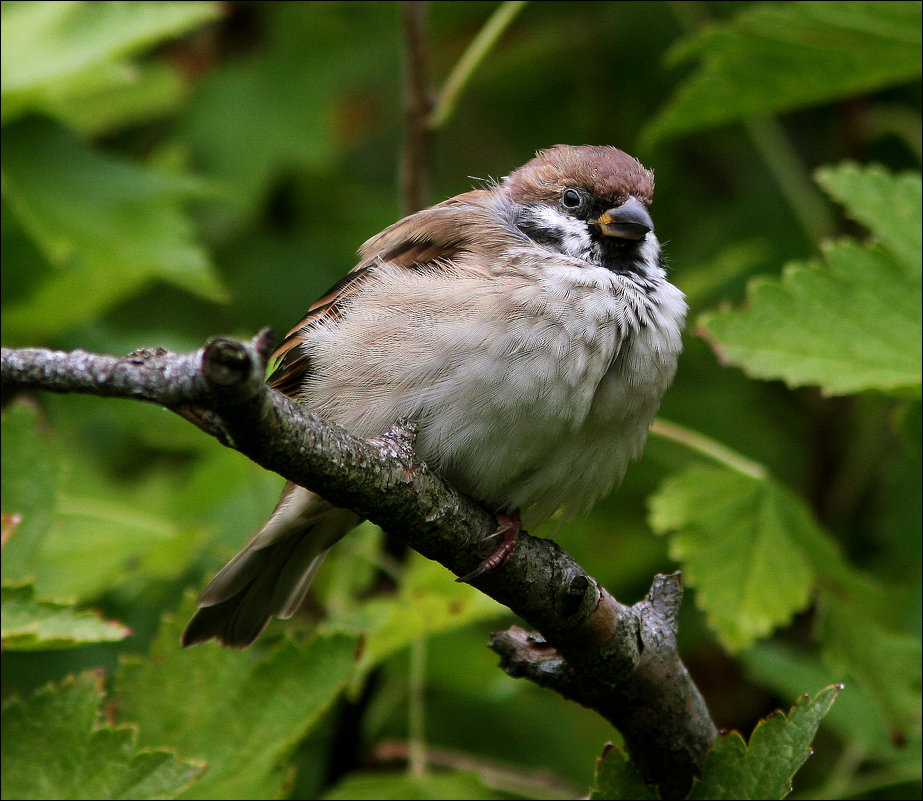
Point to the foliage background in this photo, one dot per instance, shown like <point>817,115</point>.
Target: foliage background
<point>173,171</point>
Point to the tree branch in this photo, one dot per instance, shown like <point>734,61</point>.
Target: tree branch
<point>619,660</point>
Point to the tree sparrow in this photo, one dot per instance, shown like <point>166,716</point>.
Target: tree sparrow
<point>527,328</point>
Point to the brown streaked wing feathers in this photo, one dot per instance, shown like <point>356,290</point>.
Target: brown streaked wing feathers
<point>412,243</point>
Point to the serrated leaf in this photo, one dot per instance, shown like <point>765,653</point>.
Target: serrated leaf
<point>107,225</point>
<point>29,473</point>
<point>61,51</point>
<point>764,768</point>
<point>739,541</point>
<point>54,747</point>
<point>30,624</point>
<point>618,778</point>
<point>228,708</point>
<point>758,63</point>
<point>849,326</point>
<point>856,718</point>
<point>888,205</point>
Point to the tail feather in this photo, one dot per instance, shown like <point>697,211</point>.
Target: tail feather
<point>272,574</point>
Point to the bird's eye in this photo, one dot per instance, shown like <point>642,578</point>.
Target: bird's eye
<point>571,199</point>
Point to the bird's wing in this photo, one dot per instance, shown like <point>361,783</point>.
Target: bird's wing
<point>426,240</point>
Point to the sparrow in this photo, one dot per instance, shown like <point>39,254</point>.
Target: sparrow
<point>528,329</point>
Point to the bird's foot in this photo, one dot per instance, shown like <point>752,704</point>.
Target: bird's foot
<point>509,526</point>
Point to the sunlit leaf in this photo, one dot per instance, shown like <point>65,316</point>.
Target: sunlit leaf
<point>56,52</point>
<point>739,541</point>
<point>30,624</point>
<point>773,58</point>
<point>852,323</point>
<point>888,205</point>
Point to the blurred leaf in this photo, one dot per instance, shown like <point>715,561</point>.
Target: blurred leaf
<point>856,717</point>
<point>56,52</point>
<point>31,625</point>
<point>404,786</point>
<point>429,602</point>
<point>739,540</point>
<point>888,663</point>
<point>301,101</point>
<point>888,205</point>
<point>618,778</point>
<point>773,58</point>
<point>850,325</point>
<point>155,90</point>
<point>232,709</point>
<point>764,768</point>
<point>54,747</point>
<point>29,474</point>
<point>98,541</point>
<point>109,226</point>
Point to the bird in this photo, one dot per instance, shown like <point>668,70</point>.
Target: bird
<point>529,330</point>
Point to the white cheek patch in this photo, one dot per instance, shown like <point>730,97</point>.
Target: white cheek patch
<point>573,234</point>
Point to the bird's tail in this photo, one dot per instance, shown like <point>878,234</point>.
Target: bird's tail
<point>271,575</point>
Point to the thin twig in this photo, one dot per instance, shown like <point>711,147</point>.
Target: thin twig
<point>470,60</point>
<point>709,447</point>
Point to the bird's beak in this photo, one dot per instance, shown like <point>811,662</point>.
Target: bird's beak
<point>631,220</point>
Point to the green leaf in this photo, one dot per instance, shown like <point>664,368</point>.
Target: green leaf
<point>30,474</point>
<point>856,718</point>
<point>740,542</point>
<point>888,205</point>
<point>764,768</point>
<point>618,778</point>
<point>100,540</point>
<point>56,52</point>
<point>254,118</point>
<point>155,90</point>
<point>887,663</point>
<point>230,709</point>
<point>403,786</point>
<point>773,58</point>
<point>31,625</point>
<point>108,226</point>
<point>852,324</point>
<point>429,602</point>
<point>54,747</point>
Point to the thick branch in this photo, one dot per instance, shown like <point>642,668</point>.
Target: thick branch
<point>618,660</point>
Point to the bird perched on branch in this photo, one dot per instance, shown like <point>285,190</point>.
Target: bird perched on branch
<point>527,328</point>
